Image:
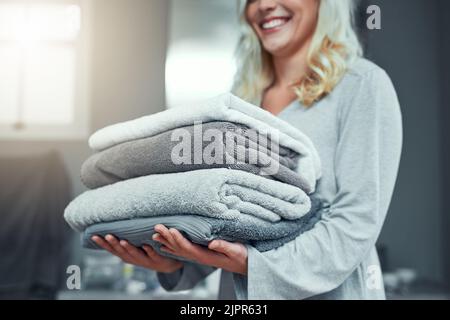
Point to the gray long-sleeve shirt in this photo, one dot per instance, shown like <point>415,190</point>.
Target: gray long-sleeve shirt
<point>357,130</point>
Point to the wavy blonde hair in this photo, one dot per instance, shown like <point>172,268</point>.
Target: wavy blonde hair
<point>334,46</point>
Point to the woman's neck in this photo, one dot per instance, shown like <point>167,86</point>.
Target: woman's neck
<point>290,68</point>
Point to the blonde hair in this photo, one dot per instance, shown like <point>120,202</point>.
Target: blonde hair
<point>333,47</point>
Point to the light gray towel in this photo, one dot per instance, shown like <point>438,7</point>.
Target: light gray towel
<point>217,193</point>
<point>262,235</point>
<point>153,155</point>
<point>225,107</point>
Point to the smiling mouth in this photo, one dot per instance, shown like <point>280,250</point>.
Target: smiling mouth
<point>274,24</point>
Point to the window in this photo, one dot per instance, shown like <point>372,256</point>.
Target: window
<point>202,40</point>
<point>43,69</point>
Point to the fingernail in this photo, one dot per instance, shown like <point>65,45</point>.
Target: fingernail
<point>213,245</point>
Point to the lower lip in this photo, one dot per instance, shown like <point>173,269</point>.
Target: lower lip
<point>276,29</point>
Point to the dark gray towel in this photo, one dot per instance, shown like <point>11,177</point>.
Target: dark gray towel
<point>263,235</point>
<point>153,156</point>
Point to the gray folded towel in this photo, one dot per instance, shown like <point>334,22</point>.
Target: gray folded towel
<point>216,193</point>
<point>225,107</point>
<point>262,235</point>
<point>153,155</point>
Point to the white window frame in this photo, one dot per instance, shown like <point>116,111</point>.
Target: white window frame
<point>79,129</point>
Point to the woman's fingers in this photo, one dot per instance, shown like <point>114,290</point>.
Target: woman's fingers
<point>157,237</point>
<point>103,243</point>
<point>194,251</point>
<point>170,264</point>
<point>155,256</point>
<point>151,253</point>
<point>173,242</point>
<point>168,250</point>
<point>134,252</point>
<point>228,249</point>
<point>234,255</point>
<point>164,232</point>
<point>120,251</point>
<point>111,245</point>
<point>146,257</point>
<point>181,241</point>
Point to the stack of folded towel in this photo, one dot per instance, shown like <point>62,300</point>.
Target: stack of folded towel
<point>137,183</point>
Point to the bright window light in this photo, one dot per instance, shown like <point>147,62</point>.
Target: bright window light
<point>50,94</point>
<point>39,46</point>
<point>35,23</point>
<point>202,38</point>
<point>9,84</point>
<point>196,71</point>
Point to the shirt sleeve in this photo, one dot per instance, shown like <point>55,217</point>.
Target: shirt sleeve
<point>185,278</point>
<point>366,164</point>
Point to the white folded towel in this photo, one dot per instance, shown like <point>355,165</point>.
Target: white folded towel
<point>225,107</point>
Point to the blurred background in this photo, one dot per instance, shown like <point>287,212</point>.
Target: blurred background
<point>71,67</point>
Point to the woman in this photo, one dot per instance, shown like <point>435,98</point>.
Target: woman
<point>301,61</point>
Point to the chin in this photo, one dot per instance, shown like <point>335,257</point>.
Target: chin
<point>276,48</point>
<point>278,43</point>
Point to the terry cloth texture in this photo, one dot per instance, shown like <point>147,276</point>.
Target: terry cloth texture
<point>234,146</point>
<point>225,107</point>
<point>260,234</point>
<point>216,193</point>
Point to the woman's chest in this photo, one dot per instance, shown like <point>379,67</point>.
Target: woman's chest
<point>276,99</point>
<point>320,123</point>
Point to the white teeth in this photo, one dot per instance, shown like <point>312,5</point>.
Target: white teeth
<point>274,23</point>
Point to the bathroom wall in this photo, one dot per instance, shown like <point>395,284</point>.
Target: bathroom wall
<point>444,49</point>
<point>408,47</point>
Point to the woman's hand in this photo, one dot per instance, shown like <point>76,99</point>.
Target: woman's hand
<point>220,254</point>
<point>145,257</point>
